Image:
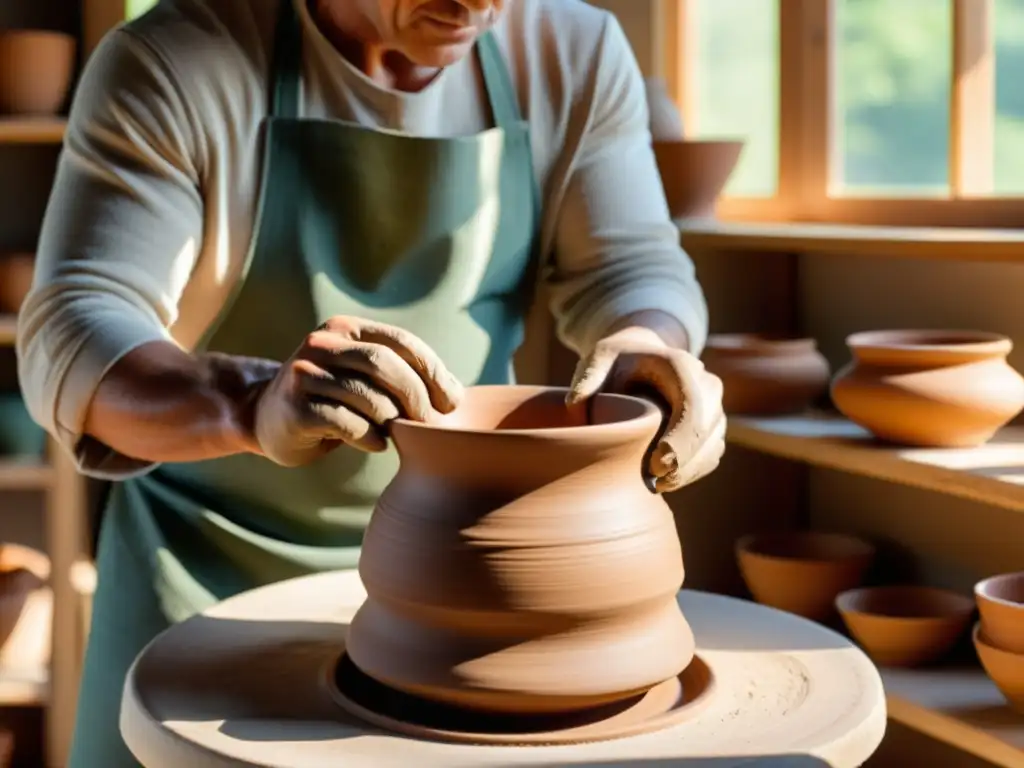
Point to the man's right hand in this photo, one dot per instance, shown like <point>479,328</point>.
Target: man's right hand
<point>346,381</point>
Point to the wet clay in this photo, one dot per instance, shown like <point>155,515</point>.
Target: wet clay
<point>939,389</point>
<point>519,563</point>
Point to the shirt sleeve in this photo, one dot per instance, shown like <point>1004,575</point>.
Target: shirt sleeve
<point>616,249</point>
<point>118,242</point>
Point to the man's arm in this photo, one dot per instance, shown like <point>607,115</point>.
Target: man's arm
<point>97,364</point>
<point>618,262</point>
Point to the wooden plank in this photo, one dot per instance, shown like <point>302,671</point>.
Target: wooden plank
<point>960,244</point>
<point>960,707</point>
<point>8,330</point>
<point>991,474</point>
<point>32,130</point>
<point>25,474</point>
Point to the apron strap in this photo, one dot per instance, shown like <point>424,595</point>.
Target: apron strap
<point>286,71</point>
<point>286,66</point>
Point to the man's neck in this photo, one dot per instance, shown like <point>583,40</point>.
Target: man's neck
<point>358,41</point>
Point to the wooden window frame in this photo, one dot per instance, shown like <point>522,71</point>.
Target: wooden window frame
<point>807,168</point>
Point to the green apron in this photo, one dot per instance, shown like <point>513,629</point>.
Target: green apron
<point>434,235</point>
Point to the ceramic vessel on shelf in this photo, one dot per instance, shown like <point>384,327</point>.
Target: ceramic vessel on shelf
<point>904,626</point>
<point>518,562</point>
<point>802,571</point>
<point>35,71</point>
<point>666,122</point>
<point>1001,605</point>
<point>764,374</point>
<point>25,608</point>
<point>1004,668</point>
<point>16,270</point>
<point>694,173</point>
<point>941,389</point>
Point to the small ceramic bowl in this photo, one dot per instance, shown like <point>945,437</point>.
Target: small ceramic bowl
<point>694,173</point>
<point>1006,669</point>
<point>802,571</point>
<point>905,626</point>
<point>1001,604</point>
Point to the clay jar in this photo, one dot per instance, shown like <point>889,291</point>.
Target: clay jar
<point>518,563</point>
<point>943,389</point>
<point>694,173</point>
<point>764,374</point>
<point>35,71</point>
<point>16,270</point>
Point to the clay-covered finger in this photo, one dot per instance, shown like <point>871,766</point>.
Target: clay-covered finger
<point>356,393</point>
<point>591,373</point>
<point>382,366</point>
<point>444,389</point>
<point>334,422</point>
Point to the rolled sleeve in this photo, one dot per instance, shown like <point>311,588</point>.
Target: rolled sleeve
<point>616,249</point>
<point>118,243</point>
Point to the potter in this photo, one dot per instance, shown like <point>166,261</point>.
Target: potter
<point>277,225</point>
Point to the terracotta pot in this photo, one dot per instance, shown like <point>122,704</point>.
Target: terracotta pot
<point>766,375</point>
<point>518,562</point>
<point>694,174</point>
<point>26,607</point>
<point>666,122</point>
<point>35,71</point>
<point>1001,604</point>
<point>802,571</point>
<point>16,270</point>
<point>905,626</point>
<point>1005,669</point>
<point>942,389</point>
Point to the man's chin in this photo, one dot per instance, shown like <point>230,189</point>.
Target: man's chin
<point>437,56</point>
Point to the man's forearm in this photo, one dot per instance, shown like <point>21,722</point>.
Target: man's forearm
<point>660,325</point>
<point>160,404</point>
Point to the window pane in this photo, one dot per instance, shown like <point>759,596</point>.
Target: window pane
<point>1009,129</point>
<point>893,70</point>
<point>135,8</point>
<point>734,77</point>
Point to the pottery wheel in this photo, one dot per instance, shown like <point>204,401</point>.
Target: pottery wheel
<point>249,683</point>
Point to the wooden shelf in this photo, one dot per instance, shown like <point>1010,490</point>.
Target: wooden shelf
<point>23,688</point>
<point>960,707</point>
<point>950,243</point>
<point>32,130</point>
<point>992,474</point>
<point>8,330</point>
<point>25,474</point>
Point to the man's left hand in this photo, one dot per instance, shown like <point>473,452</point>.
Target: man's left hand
<point>694,438</point>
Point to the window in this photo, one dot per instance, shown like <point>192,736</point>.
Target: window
<point>902,112</point>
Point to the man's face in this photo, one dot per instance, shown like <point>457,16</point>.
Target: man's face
<point>433,33</point>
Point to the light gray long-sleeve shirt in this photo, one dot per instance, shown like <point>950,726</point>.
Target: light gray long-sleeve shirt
<point>154,202</point>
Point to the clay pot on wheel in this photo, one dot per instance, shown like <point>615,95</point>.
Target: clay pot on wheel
<point>694,173</point>
<point>518,562</point>
<point>16,271</point>
<point>942,389</point>
<point>35,71</point>
<point>764,374</point>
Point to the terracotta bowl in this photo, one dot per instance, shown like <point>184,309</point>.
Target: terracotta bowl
<point>1001,604</point>
<point>802,571</point>
<point>16,271</point>
<point>1004,668</point>
<point>941,389</point>
<point>764,374</point>
<point>905,626</point>
<point>35,71</point>
<point>694,173</point>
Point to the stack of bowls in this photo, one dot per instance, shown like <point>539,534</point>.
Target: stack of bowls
<point>999,635</point>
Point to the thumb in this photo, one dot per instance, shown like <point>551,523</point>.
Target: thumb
<point>591,374</point>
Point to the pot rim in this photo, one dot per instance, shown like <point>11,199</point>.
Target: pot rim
<point>742,343</point>
<point>917,340</point>
<point>982,642</point>
<point>982,587</point>
<point>956,606</point>
<point>860,548</point>
<point>649,413</point>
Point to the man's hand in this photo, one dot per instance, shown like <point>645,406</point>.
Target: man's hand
<point>694,438</point>
<point>346,381</point>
